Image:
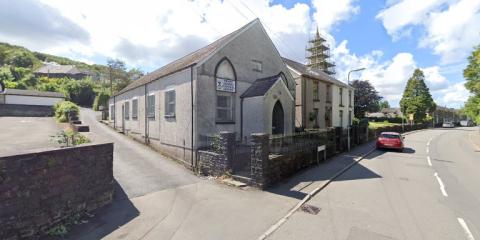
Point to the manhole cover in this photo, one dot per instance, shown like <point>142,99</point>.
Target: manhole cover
<point>310,209</point>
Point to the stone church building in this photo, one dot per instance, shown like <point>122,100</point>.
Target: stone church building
<point>238,83</point>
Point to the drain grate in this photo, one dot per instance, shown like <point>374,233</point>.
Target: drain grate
<point>310,209</point>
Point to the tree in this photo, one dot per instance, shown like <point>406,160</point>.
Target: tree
<point>472,72</point>
<point>366,98</point>
<point>80,91</point>
<point>118,76</point>
<point>21,59</point>
<point>383,104</point>
<point>416,98</point>
<point>472,75</point>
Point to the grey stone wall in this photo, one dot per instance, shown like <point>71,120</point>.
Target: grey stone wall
<point>17,110</point>
<point>259,156</point>
<point>41,188</point>
<point>218,161</point>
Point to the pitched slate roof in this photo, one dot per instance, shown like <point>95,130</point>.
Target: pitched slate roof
<point>260,86</point>
<point>65,69</point>
<point>315,74</point>
<point>34,93</point>
<point>186,61</point>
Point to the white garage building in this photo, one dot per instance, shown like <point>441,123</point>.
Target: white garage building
<point>30,97</point>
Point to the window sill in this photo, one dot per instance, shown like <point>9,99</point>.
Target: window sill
<point>316,100</point>
<point>225,122</point>
<point>169,116</point>
<point>341,105</point>
<point>134,118</point>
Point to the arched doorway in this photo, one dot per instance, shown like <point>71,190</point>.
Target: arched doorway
<point>277,119</point>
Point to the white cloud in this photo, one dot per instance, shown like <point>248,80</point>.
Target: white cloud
<point>453,96</point>
<point>451,26</point>
<point>152,33</point>
<point>390,77</point>
<point>328,13</point>
<point>32,23</point>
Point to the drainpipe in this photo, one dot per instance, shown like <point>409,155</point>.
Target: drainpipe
<point>191,99</point>
<point>241,119</point>
<point>146,119</point>
<point>114,113</point>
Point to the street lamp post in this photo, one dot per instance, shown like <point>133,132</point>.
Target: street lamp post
<point>348,126</point>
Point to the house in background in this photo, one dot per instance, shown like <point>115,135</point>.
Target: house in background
<point>60,71</point>
<point>238,83</point>
<point>321,100</point>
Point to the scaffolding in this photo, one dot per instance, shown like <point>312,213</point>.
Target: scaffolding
<point>318,55</point>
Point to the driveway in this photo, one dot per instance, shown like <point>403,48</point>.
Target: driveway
<point>157,198</point>
<point>24,133</point>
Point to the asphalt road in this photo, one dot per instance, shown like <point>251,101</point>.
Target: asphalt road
<point>137,168</point>
<point>431,191</point>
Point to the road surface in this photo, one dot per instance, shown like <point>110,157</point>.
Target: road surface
<point>430,191</point>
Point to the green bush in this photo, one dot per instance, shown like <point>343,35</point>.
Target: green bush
<point>68,138</point>
<point>101,100</point>
<point>80,92</point>
<point>65,109</point>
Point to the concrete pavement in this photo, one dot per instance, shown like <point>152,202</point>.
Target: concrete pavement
<point>157,198</point>
<point>392,195</point>
<point>22,133</point>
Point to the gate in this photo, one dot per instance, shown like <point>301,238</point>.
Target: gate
<point>241,159</point>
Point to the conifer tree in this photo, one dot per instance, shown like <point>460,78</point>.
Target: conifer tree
<point>416,98</point>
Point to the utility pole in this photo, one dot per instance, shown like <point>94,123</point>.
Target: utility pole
<point>348,126</point>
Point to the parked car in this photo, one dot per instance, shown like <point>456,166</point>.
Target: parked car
<point>467,123</point>
<point>390,140</point>
<point>448,125</point>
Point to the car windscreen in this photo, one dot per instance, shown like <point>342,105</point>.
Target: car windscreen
<point>390,136</point>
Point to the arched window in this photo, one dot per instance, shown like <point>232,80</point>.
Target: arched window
<point>226,83</point>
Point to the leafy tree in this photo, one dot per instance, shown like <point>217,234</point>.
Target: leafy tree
<point>101,100</point>
<point>21,59</point>
<point>383,104</point>
<point>80,92</point>
<point>366,98</point>
<point>119,77</point>
<point>472,108</point>
<point>472,72</point>
<point>416,98</point>
<point>472,75</point>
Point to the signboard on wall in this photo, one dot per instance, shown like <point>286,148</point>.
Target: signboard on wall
<point>225,85</point>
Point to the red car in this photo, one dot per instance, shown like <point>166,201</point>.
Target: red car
<point>391,140</point>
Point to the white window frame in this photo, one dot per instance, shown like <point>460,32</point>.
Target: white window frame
<point>230,108</point>
<point>134,113</point>
<point>127,110</point>
<point>340,113</point>
<point>112,112</point>
<point>340,93</point>
<point>151,108</point>
<point>169,103</point>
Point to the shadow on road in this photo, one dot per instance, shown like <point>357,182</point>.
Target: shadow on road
<point>293,186</point>
<point>106,219</point>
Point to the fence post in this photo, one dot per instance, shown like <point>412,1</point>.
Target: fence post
<point>259,159</point>
<point>227,148</point>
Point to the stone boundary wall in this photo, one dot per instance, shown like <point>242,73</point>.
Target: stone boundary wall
<point>268,169</point>
<point>218,161</point>
<point>18,110</point>
<point>41,188</point>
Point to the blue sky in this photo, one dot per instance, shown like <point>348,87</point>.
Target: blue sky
<point>389,38</point>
